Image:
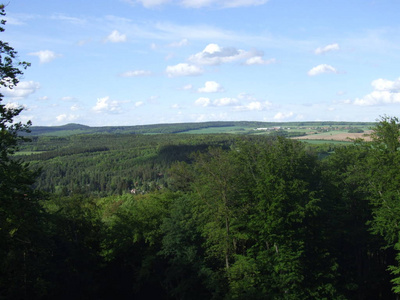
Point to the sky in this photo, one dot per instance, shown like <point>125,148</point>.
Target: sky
<point>135,62</point>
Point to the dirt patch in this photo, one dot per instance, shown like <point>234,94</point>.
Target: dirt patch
<point>332,136</point>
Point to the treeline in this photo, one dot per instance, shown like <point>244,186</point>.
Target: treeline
<point>249,219</point>
<point>73,129</point>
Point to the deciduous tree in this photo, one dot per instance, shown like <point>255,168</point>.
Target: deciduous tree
<point>19,209</point>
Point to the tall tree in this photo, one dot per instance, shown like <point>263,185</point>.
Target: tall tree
<point>19,208</point>
<point>384,186</point>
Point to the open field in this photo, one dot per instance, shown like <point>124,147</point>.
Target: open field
<point>336,136</point>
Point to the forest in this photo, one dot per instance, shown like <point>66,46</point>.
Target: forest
<point>214,216</point>
<point>103,215</point>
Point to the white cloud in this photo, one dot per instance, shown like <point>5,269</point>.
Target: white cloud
<point>385,92</point>
<point>320,69</point>
<point>378,97</point>
<point>13,105</point>
<point>240,3</point>
<point>139,103</point>
<point>65,117</point>
<point>106,105</point>
<point>386,85</point>
<point>75,107</point>
<point>225,101</point>
<point>202,101</point>
<point>44,98</point>
<point>197,3</point>
<point>72,20</point>
<point>258,60</point>
<point>211,87</point>
<point>187,87</point>
<point>183,69</point>
<point>282,116</point>
<point>254,106</point>
<point>136,73</point>
<point>176,106</point>
<point>68,98</point>
<point>45,56</point>
<point>116,37</point>
<point>327,48</point>
<point>22,90</point>
<point>216,55</point>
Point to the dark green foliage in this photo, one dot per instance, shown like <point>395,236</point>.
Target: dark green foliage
<point>22,246</point>
<point>362,260</point>
<point>237,218</point>
<point>112,164</point>
<point>355,130</point>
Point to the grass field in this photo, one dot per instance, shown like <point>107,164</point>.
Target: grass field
<point>336,136</point>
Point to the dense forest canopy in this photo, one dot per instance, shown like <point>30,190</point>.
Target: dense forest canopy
<point>215,216</point>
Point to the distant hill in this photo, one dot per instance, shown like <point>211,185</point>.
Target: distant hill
<point>236,127</point>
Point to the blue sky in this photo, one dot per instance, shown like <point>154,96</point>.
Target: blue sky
<point>133,62</point>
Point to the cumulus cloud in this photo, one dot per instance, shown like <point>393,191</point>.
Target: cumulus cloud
<point>386,85</point>
<point>139,103</point>
<point>22,90</point>
<point>183,69</point>
<point>254,106</point>
<point>202,101</point>
<point>258,60</point>
<point>327,48</point>
<point>211,87</point>
<point>282,116</point>
<point>13,105</point>
<point>385,92</point>
<point>45,56</point>
<point>116,37</point>
<point>225,101</point>
<point>321,69</point>
<point>66,117</point>
<point>136,73</point>
<point>213,54</point>
<point>106,105</point>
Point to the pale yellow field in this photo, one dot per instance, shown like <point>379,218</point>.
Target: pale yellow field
<point>337,137</point>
